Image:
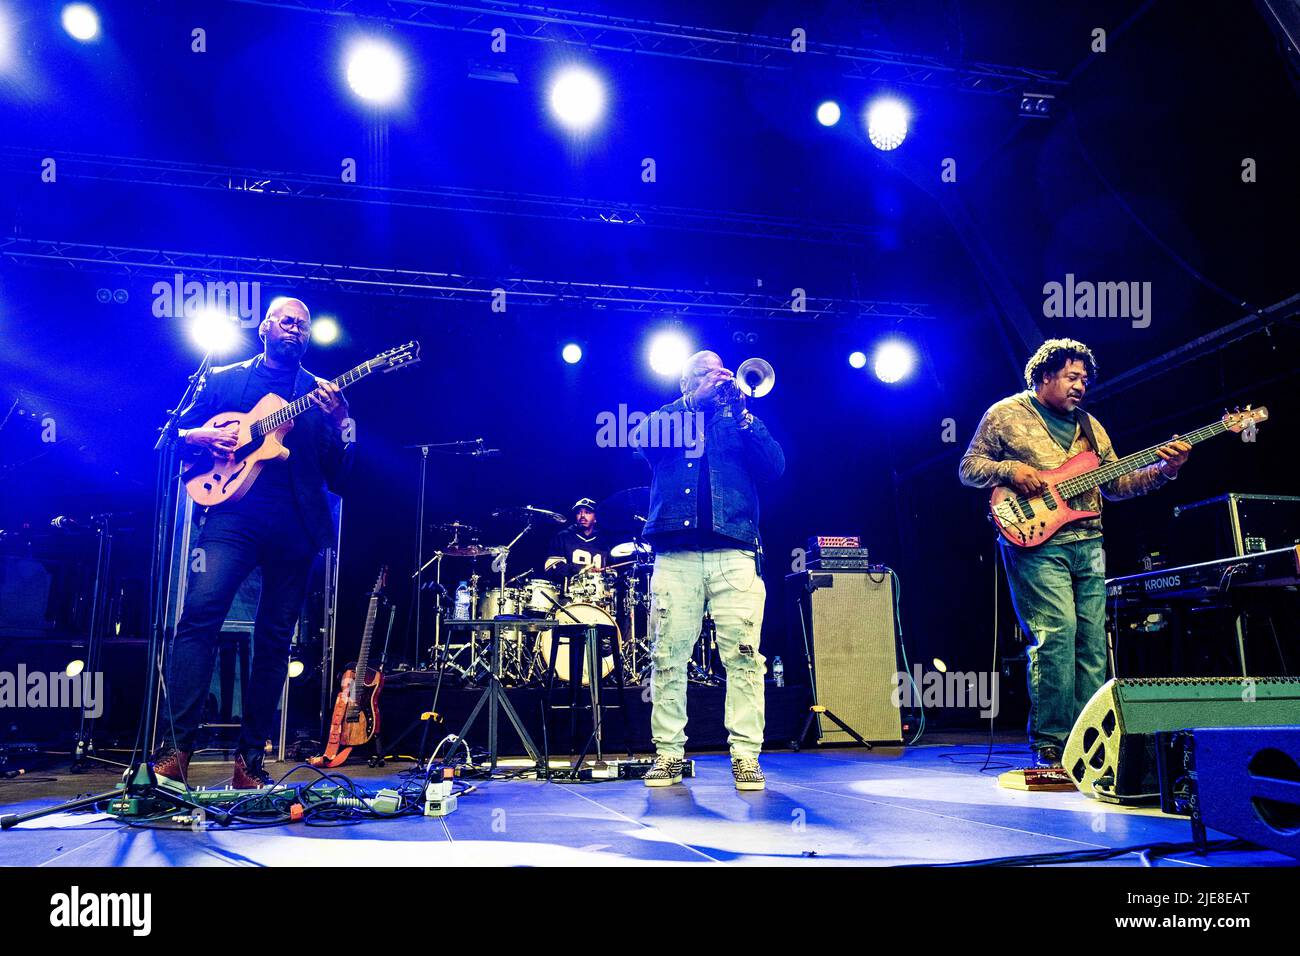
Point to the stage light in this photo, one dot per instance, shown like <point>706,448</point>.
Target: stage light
<point>940,666</point>
<point>668,353</point>
<point>375,71</point>
<point>324,330</point>
<point>572,353</point>
<point>74,668</point>
<point>6,40</point>
<point>295,669</point>
<point>828,114</point>
<point>858,359</point>
<point>577,98</point>
<point>214,331</point>
<point>893,361</point>
<point>886,123</point>
<point>81,21</point>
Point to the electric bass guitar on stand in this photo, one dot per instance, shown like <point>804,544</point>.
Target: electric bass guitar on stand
<point>262,430</point>
<point>1030,520</point>
<point>356,710</point>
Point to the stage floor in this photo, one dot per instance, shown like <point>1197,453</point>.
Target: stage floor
<point>821,808</point>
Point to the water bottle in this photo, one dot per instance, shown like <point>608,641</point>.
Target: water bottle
<point>461,609</point>
<point>778,672</point>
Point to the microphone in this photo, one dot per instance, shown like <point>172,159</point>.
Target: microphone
<point>485,452</point>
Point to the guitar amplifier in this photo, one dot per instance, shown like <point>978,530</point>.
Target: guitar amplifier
<point>1111,751</point>
<point>848,622</point>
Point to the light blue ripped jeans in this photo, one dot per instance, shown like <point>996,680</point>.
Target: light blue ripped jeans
<point>683,585</point>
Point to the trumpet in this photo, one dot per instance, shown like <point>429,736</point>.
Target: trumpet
<point>754,378</point>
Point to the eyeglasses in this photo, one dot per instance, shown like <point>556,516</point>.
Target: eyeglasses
<point>289,323</point>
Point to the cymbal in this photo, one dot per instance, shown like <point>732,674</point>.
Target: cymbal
<point>529,513</point>
<point>629,548</point>
<point>469,551</point>
<point>454,526</point>
<point>626,509</point>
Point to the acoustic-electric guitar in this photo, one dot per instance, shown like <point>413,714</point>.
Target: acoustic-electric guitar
<point>262,429</point>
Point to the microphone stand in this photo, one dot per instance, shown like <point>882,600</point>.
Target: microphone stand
<point>140,782</point>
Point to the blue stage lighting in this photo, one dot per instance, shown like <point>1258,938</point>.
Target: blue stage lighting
<point>886,123</point>
<point>572,353</point>
<point>577,98</point>
<point>893,361</point>
<point>828,114</point>
<point>325,330</point>
<point>858,359</point>
<point>81,21</point>
<point>668,353</point>
<point>375,72</point>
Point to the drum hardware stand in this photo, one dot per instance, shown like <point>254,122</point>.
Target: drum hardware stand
<point>140,781</point>
<point>701,672</point>
<point>446,448</point>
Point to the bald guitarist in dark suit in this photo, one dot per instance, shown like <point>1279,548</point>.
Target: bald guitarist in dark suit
<point>279,526</point>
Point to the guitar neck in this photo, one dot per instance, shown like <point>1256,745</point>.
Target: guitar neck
<point>1139,459</point>
<point>363,656</point>
<point>295,408</point>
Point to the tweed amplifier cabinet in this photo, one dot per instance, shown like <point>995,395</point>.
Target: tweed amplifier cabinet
<point>847,619</point>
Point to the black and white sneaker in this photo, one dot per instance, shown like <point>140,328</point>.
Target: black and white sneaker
<point>666,772</point>
<point>749,776</point>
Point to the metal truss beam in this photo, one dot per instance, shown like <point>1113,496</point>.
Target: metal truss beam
<point>450,287</point>
<point>604,32</point>
<point>21,160</point>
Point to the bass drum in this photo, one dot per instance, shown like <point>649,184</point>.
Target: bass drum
<point>575,614</point>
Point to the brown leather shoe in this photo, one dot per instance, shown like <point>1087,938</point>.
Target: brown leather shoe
<point>172,763</point>
<point>249,777</point>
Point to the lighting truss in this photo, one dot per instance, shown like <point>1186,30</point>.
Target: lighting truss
<point>598,31</point>
<point>172,173</point>
<point>372,280</point>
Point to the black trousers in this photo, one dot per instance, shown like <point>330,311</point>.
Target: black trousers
<point>227,549</point>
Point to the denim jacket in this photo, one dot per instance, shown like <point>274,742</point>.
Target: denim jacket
<point>738,459</point>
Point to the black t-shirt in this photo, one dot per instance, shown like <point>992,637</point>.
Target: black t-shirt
<point>272,491</point>
<point>578,550</point>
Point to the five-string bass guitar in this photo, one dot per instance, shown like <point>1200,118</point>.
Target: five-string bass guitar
<point>213,481</point>
<point>1029,520</point>
<point>356,709</point>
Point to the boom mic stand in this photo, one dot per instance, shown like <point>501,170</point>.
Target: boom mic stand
<point>140,781</point>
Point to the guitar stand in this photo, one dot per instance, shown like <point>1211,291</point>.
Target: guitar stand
<point>495,698</point>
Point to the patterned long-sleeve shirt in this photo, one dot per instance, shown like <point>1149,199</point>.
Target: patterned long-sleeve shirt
<point>1013,432</point>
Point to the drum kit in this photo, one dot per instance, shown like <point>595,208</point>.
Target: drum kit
<point>617,594</point>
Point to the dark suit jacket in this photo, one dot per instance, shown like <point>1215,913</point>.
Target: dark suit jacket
<point>318,458</point>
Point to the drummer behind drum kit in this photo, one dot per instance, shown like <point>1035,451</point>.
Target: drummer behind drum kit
<point>616,595</point>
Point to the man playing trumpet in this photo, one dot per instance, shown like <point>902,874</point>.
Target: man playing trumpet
<point>703,524</point>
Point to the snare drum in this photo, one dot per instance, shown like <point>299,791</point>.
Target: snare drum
<point>575,614</point>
